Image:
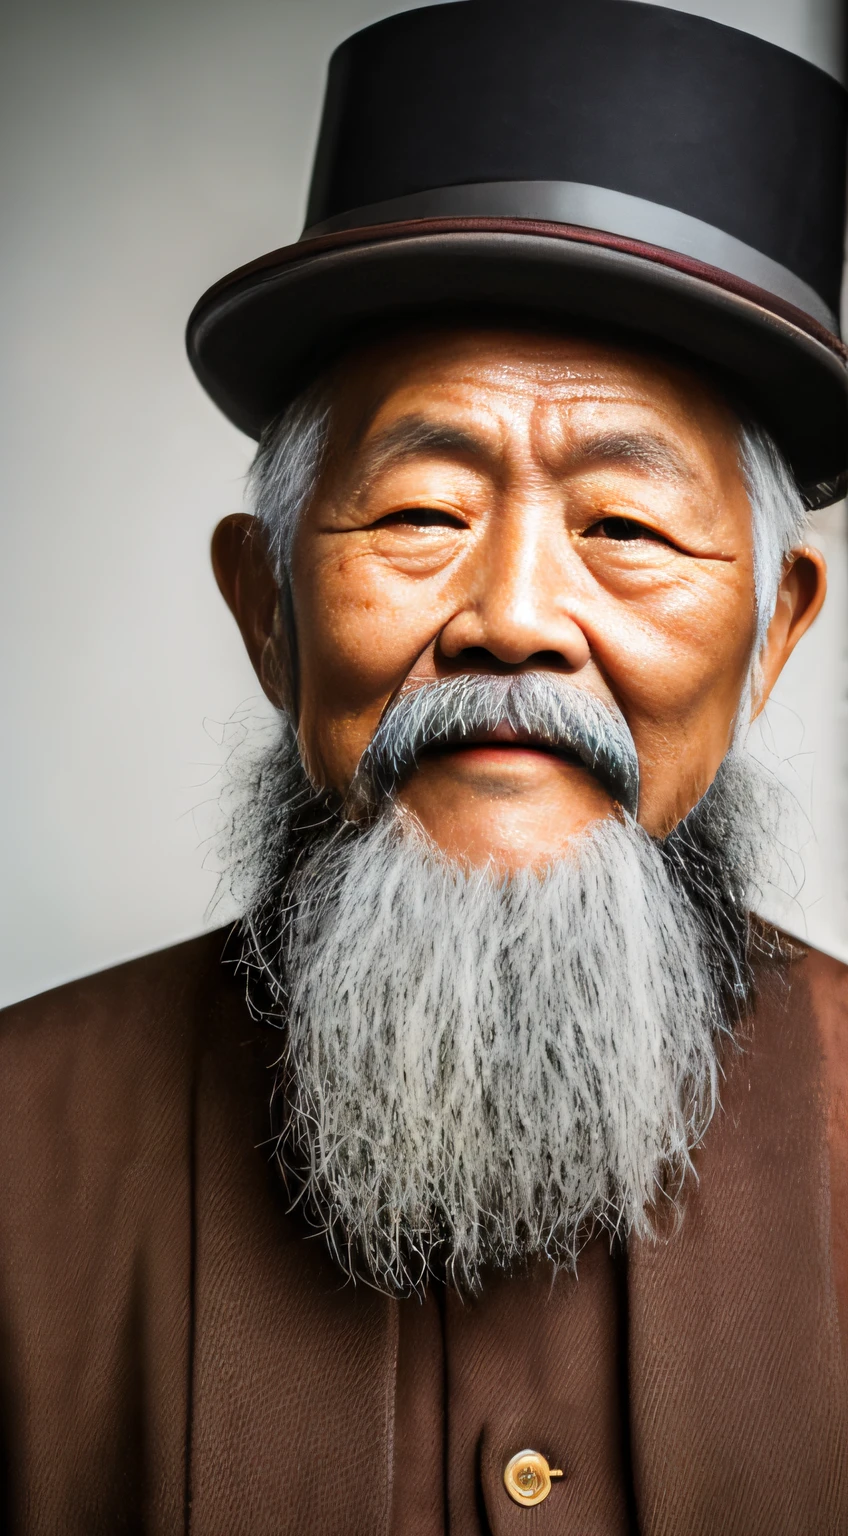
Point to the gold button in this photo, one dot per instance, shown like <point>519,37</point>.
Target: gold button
<point>527,1477</point>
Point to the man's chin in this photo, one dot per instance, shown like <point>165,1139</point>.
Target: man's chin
<point>504,808</point>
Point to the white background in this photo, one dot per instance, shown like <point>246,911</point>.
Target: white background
<point>148,149</point>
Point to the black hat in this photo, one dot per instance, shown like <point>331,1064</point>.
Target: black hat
<point>595,160</point>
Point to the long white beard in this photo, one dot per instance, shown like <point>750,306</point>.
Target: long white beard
<point>477,1071</point>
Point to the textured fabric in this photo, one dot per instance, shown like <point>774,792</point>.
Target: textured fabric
<point>734,1329</point>
<point>180,1355</point>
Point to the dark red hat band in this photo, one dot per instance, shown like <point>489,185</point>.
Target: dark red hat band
<point>601,210</point>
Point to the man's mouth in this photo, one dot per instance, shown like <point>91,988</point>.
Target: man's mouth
<point>503,741</point>
<point>508,725</point>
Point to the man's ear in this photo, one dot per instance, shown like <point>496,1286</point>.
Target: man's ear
<point>245,576</point>
<point>799,599</point>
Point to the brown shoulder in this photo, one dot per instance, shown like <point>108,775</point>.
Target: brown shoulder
<point>817,984</point>
<point>110,1020</point>
<point>826,980</point>
<point>100,1063</point>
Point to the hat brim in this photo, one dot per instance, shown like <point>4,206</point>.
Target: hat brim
<point>256,337</point>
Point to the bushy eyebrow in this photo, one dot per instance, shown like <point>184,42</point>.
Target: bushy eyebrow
<point>416,437</point>
<point>648,452</point>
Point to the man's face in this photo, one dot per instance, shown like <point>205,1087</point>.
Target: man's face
<point>539,1048</point>
<point>498,502</point>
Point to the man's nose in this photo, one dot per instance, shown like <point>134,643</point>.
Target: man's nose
<point>517,605</point>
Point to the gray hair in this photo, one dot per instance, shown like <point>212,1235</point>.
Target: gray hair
<point>285,472</point>
<point>479,1070</point>
<point>292,452</point>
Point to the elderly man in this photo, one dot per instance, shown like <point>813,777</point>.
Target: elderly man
<point>549,1211</point>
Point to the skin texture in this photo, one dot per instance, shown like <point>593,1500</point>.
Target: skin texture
<point>499,501</point>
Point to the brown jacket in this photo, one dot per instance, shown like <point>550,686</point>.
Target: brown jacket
<point>178,1356</point>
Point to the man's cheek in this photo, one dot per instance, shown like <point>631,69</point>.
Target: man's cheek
<point>348,673</point>
<point>663,669</point>
<point>332,746</point>
<point>709,619</point>
<point>365,643</point>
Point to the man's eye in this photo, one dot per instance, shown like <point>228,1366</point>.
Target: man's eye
<point>419,517</point>
<point>622,529</point>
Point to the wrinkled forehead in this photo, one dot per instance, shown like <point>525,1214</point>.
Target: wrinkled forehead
<point>551,386</point>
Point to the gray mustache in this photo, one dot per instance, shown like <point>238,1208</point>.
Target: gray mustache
<point>453,710</point>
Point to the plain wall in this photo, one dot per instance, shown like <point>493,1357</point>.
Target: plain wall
<point>148,149</point>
